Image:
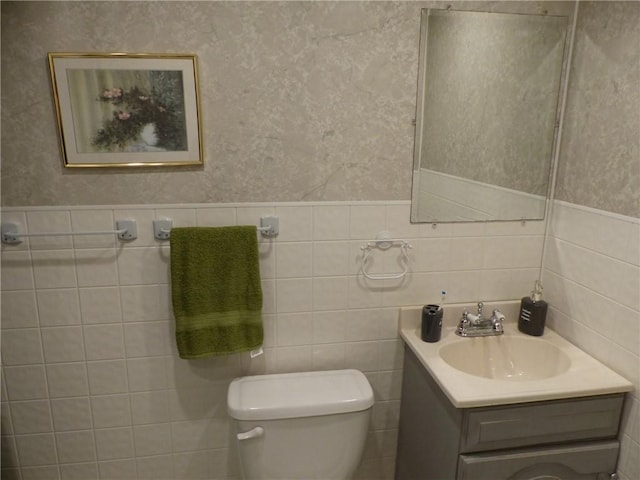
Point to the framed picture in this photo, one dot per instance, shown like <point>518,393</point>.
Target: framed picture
<point>127,110</point>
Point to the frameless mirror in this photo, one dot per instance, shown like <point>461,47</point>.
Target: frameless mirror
<point>488,91</point>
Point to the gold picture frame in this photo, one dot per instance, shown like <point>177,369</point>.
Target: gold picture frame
<point>127,109</point>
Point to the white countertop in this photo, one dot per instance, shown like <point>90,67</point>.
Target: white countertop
<point>585,377</point>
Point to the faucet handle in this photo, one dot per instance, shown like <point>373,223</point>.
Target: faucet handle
<point>480,306</point>
<point>470,318</point>
<point>496,319</point>
<point>464,324</point>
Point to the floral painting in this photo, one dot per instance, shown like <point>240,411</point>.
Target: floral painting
<point>114,112</point>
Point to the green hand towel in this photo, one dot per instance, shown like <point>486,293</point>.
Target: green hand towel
<point>216,290</point>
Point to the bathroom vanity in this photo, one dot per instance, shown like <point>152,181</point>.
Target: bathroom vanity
<point>514,424</point>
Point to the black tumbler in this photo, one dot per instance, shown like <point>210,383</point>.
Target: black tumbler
<point>431,323</point>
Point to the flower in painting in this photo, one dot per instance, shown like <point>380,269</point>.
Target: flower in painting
<point>112,93</point>
<point>124,115</point>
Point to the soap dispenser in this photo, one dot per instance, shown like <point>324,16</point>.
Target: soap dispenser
<point>533,312</point>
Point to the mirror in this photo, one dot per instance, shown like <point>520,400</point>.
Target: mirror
<point>488,94</point>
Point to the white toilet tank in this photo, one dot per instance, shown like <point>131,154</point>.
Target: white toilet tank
<point>301,426</point>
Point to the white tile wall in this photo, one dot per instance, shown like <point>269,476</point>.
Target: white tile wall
<point>33,416</point>
<point>74,447</point>
<point>73,413</point>
<point>67,380</point>
<point>592,282</point>
<point>111,410</point>
<point>92,384</point>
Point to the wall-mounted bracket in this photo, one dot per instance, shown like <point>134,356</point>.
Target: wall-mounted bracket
<point>9,231</point>
<point>162,228</point>
<point>127,229</point>
<point>269,226</point>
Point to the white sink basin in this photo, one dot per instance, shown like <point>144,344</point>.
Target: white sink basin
<point>506,358</point>
<point>506,369</point>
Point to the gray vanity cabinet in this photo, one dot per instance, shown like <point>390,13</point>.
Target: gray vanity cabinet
<point>571,439</point>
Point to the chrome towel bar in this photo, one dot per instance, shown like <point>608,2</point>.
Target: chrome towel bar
<point>269,227</point>
<point>125,230</point>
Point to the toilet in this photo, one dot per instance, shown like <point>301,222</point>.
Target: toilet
<point>300,426</point>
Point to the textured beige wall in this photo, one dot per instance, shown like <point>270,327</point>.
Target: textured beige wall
<point>300,100</point>
<point>600,157</point>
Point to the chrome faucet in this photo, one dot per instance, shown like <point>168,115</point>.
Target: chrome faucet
<point>476,325</point>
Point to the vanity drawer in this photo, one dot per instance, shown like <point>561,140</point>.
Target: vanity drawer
<point>513,426</point>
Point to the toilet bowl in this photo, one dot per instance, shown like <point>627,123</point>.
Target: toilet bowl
<point>300,426</point>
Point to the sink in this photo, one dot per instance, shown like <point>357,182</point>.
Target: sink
<point>505,369</point>
<point>506,358</point>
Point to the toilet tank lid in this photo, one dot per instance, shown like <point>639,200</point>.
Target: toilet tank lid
<point>295,395</point>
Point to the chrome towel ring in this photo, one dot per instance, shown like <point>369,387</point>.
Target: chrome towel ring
<point>384,241</point>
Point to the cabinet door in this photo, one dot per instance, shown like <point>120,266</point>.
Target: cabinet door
<point>430,425</point>
<point>582,462</point>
